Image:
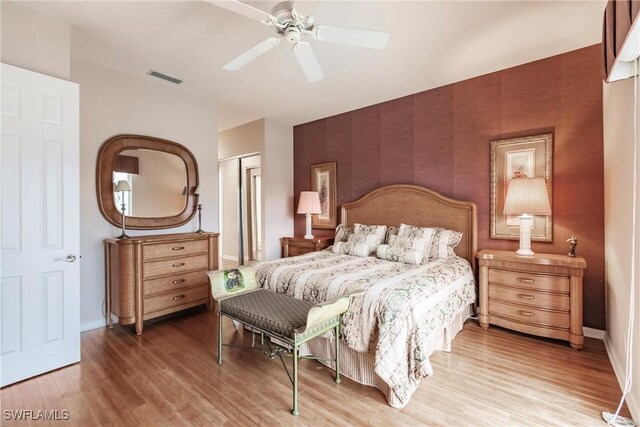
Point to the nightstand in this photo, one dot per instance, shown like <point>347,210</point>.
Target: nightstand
<point>539,294</point>
<point>292,246</point>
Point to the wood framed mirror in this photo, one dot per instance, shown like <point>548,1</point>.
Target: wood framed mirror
<point>162,177</point>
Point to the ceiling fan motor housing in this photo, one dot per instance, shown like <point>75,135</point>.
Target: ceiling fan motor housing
<point>292,34</point>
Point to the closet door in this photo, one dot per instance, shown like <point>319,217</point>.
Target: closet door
<point>39,236</point>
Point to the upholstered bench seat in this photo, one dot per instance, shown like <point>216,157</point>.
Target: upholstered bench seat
<point>290,320</point>
<point>277,313</point>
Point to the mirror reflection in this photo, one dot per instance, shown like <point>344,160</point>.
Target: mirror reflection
<point>157,183</point>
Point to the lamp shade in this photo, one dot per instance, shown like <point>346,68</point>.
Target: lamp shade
<point>527,195</point>
<point>309,203</point>
<point>184,191</point>
<point>198,190</point>
<point>123,185</point>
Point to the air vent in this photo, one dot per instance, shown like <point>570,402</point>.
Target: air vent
<point>164,77</point>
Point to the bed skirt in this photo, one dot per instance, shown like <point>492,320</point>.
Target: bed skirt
<point>360,367</point>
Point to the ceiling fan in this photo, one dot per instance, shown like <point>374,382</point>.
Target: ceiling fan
<point>292,26</point>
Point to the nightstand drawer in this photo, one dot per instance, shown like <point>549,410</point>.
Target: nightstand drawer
<point>294,251</point>
<point>531,315</point>
<point>529,297</point>
<point>529,281</point>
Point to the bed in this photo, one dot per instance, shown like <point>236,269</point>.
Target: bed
<point>407,312</point>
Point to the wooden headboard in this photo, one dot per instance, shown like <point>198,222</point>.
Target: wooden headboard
<point>419,206</point>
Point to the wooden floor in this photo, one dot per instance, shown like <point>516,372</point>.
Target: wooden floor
<point>168,376</point>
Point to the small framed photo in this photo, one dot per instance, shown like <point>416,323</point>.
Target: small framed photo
<point>323,180</point>
<point>525,157</point>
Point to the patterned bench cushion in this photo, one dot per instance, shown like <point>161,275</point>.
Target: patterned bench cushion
<point>268,310</point>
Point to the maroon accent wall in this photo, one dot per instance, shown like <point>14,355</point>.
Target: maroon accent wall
<point>440,139</point>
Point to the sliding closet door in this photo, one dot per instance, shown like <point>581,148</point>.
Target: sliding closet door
<point>39,258</point>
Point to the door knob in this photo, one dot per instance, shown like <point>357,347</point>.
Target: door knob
<point>68,258</point>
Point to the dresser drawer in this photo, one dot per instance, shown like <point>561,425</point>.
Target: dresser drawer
<point>174,299</point>
<point>529,280</point>
<point>529,297</point>
<point>169,283</point>
<point>522,313</point>
<point>177,249</point>
<point>173,266</point>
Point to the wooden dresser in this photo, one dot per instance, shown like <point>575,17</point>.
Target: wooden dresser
<point>150,276</point>
<point>292,246</point>
<point>540,294</point>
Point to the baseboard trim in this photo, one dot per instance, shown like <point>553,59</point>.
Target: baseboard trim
<point>619,370</point>
<point>594,333</point>
<point>96,324</point>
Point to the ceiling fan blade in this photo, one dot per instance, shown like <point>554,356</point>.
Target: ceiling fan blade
<point>251,54</point>
<point>308,62</point>
<point>244,10</point>
<point>351,36</point>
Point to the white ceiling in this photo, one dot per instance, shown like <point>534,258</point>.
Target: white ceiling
<point>431,44</point>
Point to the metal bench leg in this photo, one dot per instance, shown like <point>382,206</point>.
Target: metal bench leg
<point>338,353</point>
<point>219,338</point>
<point>294,411</point>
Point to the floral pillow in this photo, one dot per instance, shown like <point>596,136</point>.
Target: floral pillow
<point>342,233</point>
<point>424,232</point>
<point>379,230</point>
<point>358,244</point>
<point>408,250</point>
<point>443,243</point>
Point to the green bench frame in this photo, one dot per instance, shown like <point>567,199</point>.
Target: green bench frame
<point>321,318</point>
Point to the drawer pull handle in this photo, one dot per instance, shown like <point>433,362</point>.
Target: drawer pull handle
<point>523,280</point>
<point>177,248</point>
<point>177,297</point>
<point>525,296</point>
<point>180,264</point>
<point>525,313</point>
<point>175,282</point>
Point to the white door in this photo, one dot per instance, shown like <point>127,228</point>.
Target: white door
<point>39,197</point>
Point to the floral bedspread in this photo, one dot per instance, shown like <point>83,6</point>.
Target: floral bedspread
<point>401,307</point>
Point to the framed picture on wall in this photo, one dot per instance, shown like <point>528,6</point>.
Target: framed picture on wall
<point>524,157</point>
<point>323,180</point>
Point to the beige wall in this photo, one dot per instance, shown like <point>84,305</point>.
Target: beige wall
<point>33,41</point>
<point>618,180</point>
<point>277,186</point>
<point>274,141</point>
<point>241,140</point>
<point>113,103</point>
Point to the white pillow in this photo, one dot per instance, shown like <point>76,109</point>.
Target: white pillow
<point>358,244</point>
<point>408,250</point>
<point>424,232</point>
<point>443,243</point>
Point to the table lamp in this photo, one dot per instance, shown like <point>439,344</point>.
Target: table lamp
<point>123,187</point>
<point>526,197</point>
<point>309,204</point>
